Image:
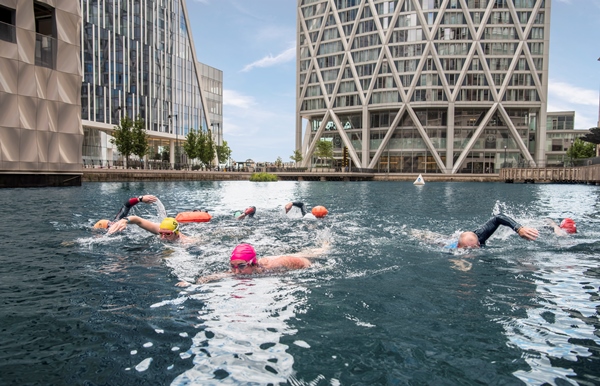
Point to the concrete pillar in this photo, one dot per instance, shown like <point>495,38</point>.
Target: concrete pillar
<point>172,152</point>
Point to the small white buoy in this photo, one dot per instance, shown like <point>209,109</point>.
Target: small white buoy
<point>419,181</point>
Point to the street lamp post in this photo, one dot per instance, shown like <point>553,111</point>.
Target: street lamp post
<point>176,141</point>
<point>571,151</point>
<point>504,165</point>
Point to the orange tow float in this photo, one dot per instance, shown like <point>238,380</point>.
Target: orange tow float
<point>195,216</point>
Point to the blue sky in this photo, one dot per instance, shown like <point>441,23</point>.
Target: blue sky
<point>254,43</point>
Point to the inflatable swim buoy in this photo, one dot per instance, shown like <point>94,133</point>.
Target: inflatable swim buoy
<point>319,211</point>
<point>195,216</point>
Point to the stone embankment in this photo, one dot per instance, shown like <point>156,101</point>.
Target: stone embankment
<point>126,175</point>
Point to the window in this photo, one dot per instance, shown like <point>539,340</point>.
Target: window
<point>45,39</point>
<point>7,24</point>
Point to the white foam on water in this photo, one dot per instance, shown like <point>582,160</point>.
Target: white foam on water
<point>143,365</point>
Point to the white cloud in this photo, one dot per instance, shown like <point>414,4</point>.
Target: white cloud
<point>202,1</point>
<point>236,99</point>
<point>566,97</point>
<point>270,60</point>
<point>570,94</point>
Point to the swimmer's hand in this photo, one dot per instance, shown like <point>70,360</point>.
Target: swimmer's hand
<point>528,233</point>
<point>183,284</point>
<point>149,199</point>
<point>118,226</point>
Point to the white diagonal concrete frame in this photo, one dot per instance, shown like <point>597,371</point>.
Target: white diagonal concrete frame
<point>406,92</point>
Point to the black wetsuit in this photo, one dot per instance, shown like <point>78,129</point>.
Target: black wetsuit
<point>300,205</point>
<point>486,230</point>
<point>127,205</point>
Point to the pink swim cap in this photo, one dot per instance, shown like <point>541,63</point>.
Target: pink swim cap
<point>244,252</point>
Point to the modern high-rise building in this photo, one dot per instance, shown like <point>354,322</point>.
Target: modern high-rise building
<point>423,86</point>
<point>212,88</point>
<point>40,82</point>
<point>138,59</point>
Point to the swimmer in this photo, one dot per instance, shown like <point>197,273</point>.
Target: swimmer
<point>297,204</point>
<point>124,211</point>
<point>248,212</point>
<point>243,261</point>
<point>478,237</point>
<point>566,227</point>
<point>168,229</point>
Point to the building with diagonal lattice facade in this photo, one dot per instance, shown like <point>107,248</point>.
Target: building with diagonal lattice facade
<point>423,86</point>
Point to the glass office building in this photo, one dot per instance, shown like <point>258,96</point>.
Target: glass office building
<point>423,86</point>
<point>138,59</point>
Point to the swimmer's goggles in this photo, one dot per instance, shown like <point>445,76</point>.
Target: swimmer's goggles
<point>168,232</point>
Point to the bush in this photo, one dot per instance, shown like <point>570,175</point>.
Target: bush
<point>263,177</point>
<point>196,167</point>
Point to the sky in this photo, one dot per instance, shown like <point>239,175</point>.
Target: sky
<point>254,43</point>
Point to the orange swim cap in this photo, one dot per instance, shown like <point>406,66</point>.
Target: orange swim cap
<point>319,211</point>
<point>568,225</point>
<point>102,224</point>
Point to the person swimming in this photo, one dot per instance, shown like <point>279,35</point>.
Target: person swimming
<point>243,261</point>
<point>297,204</point>
<point>567,226</point>
<point>168,229</point>
<point>478,237</point>
<point>124,211</point>
<point>248,212</point>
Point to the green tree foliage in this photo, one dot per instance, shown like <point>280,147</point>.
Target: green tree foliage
<point>122,137</point>
<point>206,147</point>
<point>297,156</point>
<point>581,149</point>
<point>190,147</point>
<point>223,152</point>
<point>279,162</point>
<point>130,138</point>
<point>324,150</point>
<point>263,177</point>
<point>139,138</point>
<point>593,136</point>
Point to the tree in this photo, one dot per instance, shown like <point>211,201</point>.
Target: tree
<point>130,138</point>
<point>297,156</point>
<point>206,147</point>
<point>279,162</point>
<point>139,138</point>
<point>581,149</point>
<point>324,150</point>
<point>223,152</point>
<point>190,147</point>
<point>122,138</point>
<point>593,136</point>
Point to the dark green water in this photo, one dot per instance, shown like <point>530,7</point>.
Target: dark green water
<point>381,308</point>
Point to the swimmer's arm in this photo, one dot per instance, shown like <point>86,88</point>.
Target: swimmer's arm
<point>127,205</point>
<point>314,252</point>
<point>141,222</point>
<point>557,230</point>
<point>528,233</point>
<point>205,279</point>
<point>286,262</point>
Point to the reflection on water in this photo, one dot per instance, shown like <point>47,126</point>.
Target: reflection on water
<point>242,322</point>
<point>561,326</point>
<point>387,304</point>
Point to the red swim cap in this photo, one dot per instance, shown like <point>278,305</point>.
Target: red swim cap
<point>244,252</point>
<point>568,225</point>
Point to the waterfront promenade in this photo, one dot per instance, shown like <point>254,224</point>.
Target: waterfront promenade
<point>120,175</point>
